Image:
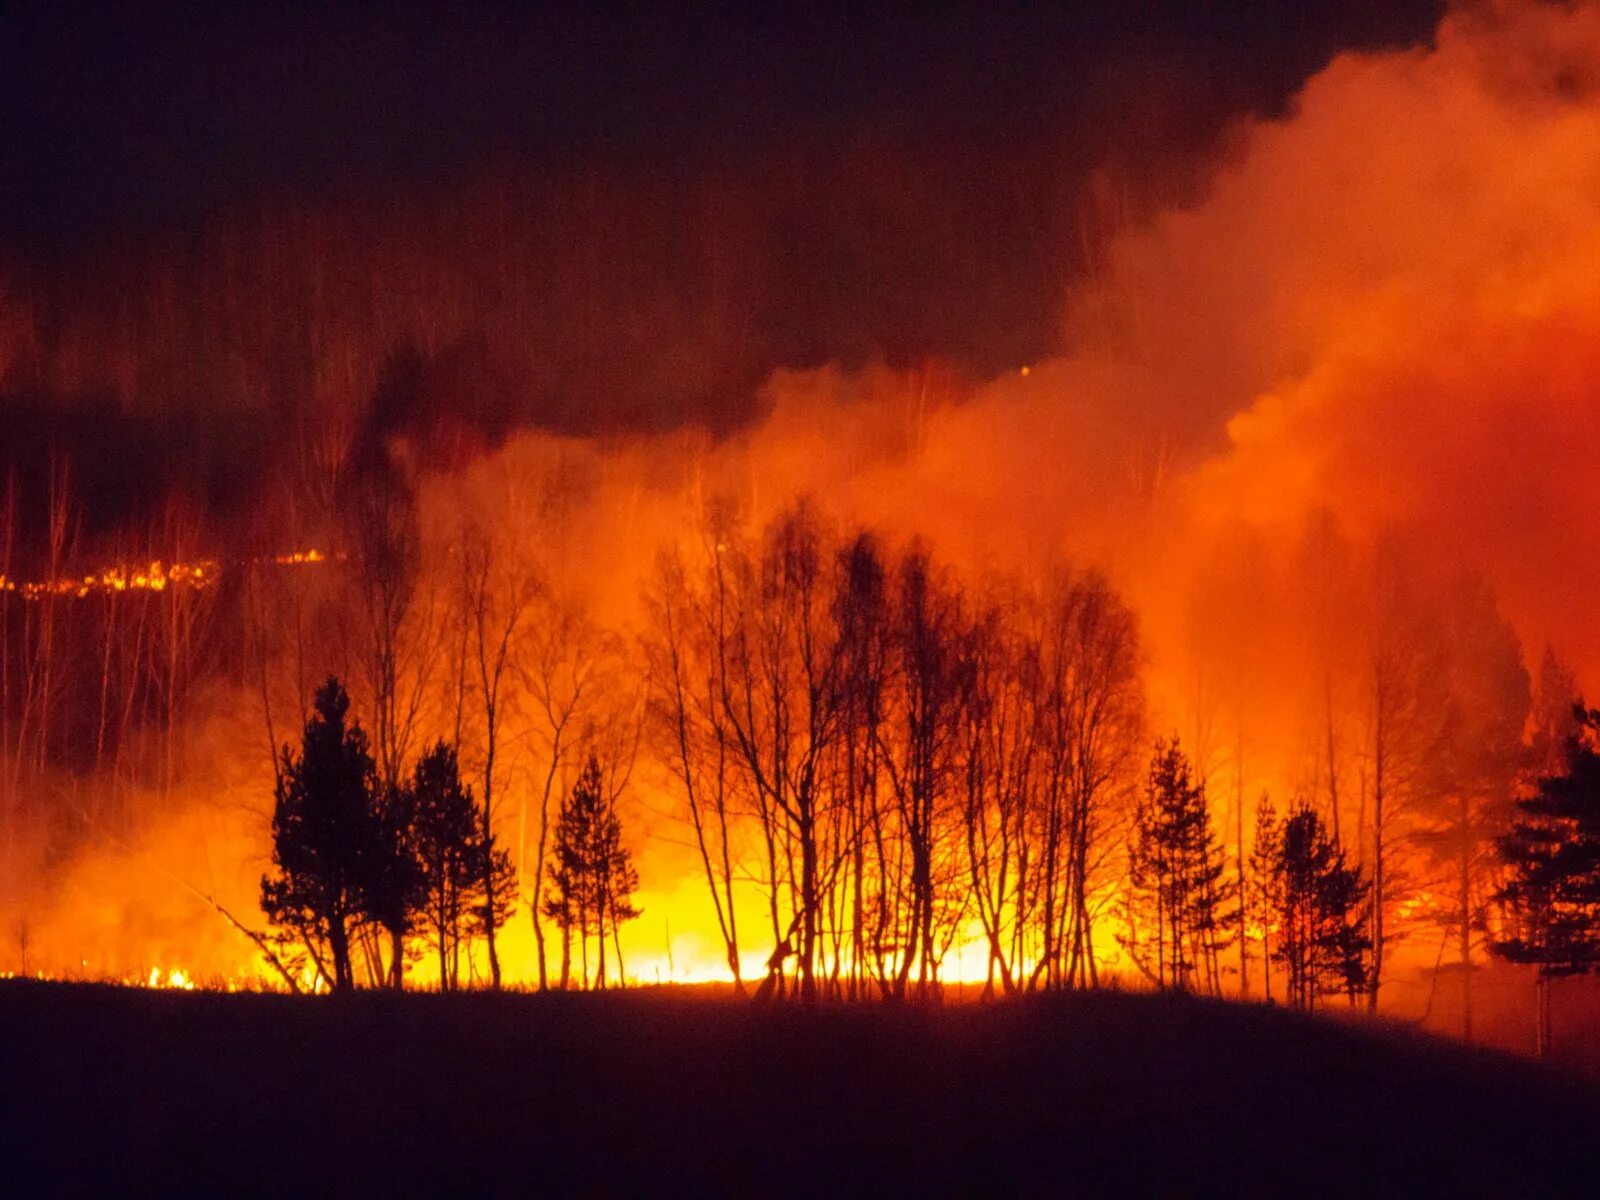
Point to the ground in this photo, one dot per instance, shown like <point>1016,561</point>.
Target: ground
<point>110,1090</point>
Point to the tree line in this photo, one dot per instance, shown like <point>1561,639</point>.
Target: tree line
<point>415,866</point>
<point>901,759</point>
<point>893,757</point>
<point>896,761</point>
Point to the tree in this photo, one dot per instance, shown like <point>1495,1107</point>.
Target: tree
<point>1555,717</point>
<point>592,877</point>
<point>451,855</point>
<point>1550,904</point>
<point>325,837</point>
<point>683,719</point>
<point>918,742</point>
<point>1176,878</point>
<point>1476,759</point>
<point>492,615</point>
<point>1321,912</point>
<point>1399,684</point>
<point>1092,709</point>
<point>1262,900</point>
<point>394,885</point>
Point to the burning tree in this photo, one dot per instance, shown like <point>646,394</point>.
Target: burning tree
<point>592,877</point>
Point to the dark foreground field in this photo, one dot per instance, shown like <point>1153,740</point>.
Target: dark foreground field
<point>140,1093</point>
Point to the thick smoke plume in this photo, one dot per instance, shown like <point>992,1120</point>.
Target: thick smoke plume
<point>1379,328</point>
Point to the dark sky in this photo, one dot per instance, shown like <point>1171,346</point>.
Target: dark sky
<point>131,113</point>
<point>473,218</point>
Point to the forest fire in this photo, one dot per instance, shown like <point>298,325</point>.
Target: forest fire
<point>149,577</point>
<point>941,544</point>
<point>984,619</point>
<point>153,577</point>
<point>175,977</point>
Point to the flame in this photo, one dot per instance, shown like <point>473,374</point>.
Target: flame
<point>175,978</point>
<point>1363,322</point>
<point>154,576</point>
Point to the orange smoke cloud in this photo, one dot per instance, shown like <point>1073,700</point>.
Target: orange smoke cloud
<point>1385,311</point>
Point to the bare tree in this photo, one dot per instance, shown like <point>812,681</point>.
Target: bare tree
<point>685,626</point>
<point>495,605</point>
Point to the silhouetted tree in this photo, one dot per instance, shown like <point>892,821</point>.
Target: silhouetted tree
<point>1400,690</point>
<point>393,884</point>
<point>1551,901</point>
<point>388,620</point>
<point>1556,716</point>
<point>1261,896</point>
<point>449,843</point>
<point>592,877</point>
<point>683,720</point>
<point>1176,878</point>
<point>918,742</point>
<point>1475,759</point>
<point>1091,709</point>
<point>1322,912</point>
<point>492,609</point>
<point>325,836</point>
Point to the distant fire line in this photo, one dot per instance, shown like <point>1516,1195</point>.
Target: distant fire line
<point>155,576</point>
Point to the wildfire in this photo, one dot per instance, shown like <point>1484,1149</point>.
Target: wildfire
<point>156,576</point>
<point>300,558</point>
<point>1418,906</point>
<point>175,978</point>
<point>150,577</point>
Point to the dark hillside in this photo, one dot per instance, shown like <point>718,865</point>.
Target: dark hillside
<point>128,1091</point>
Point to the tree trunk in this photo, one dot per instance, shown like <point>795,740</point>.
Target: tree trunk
<point>488,898</point>
<point>339,946</point>
<point>1464,916</point>
<point>1542,1016</point>
<point>397,941</point>
<point>808,902</point>
<point>1376,980</point>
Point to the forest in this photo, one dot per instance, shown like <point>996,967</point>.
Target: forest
<point>988,600</point>
<point>840,567</point>
<point>867,757</point>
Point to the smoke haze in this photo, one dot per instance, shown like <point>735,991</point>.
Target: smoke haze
<point>1374,322</point>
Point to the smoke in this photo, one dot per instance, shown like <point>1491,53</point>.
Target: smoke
<point>1380,325</point>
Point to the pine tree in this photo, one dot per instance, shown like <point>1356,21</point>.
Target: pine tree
<point>1550,904</point>
<point>326,838</point>
<point>1322,909</point>
<point>454,858</point>
<point>394,886</point>
<point>592,877</point>
<point>1263,893</point>
<point>1178,890</point>
<point>444,828</point>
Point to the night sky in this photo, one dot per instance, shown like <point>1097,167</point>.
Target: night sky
<point>651,212</point>
<point>129,114</point>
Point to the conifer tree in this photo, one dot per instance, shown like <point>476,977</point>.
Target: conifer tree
<point>325,838</point>
<point>393,887</point>
<point>1322,910</point>
<point>1550,904</point>
<point>592,875</point>
<point>1263,893</point>
<point>1177,882</point>
<point>446,834</point>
